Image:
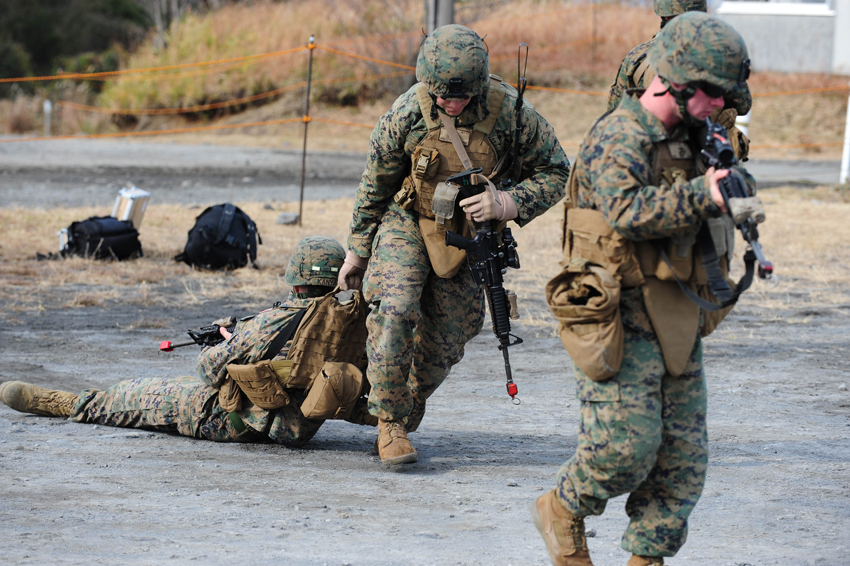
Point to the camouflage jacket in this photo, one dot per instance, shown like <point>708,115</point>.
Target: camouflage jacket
<point>614,175</point>
<point>400,130</point>
<point>740,98</point>
<point>249,343</point>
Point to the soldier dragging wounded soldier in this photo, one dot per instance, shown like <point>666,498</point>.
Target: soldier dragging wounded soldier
<point>266,381</point>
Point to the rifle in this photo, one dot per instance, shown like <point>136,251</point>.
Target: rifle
<point>490,253</point>
<point>204,336</point>
<point>718,153</point>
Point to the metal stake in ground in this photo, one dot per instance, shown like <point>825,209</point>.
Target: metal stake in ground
<point>310,47</point>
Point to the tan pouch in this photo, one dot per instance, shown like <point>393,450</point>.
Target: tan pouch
<point>675,319</point>
<point>334,392</point>
<point>263,382</point>
<point>230,396</point>
<point>446,261</point>
<point>444,203</point>
<point>585,300</point>
<point>425,162</point>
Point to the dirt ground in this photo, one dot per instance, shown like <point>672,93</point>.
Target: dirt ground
<point>779,421</point>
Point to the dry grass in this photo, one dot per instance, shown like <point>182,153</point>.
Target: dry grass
<point>27,284</point>
<point>561,55</point>
<point>806,237</point>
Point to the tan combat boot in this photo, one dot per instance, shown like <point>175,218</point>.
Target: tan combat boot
<point>393,445</point>
<point>636,560</point>
<point>27,398</point>
<point>563,533</point>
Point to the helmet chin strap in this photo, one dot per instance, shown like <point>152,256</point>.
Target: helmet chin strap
<point>682,97</point>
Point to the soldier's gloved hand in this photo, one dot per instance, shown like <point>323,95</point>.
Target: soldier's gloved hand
<point>489,205</point>
<point>352,271</point>
<point>713,176</point>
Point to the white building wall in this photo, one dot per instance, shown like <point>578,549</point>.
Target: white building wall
<point>793,37</point>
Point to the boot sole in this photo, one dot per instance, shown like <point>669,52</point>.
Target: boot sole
<point>403,459</point>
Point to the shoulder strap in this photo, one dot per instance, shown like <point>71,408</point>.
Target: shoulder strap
<point>456,141</point>
<point>495,98</point>
<point>425,104</point>
<point>284,335</point>
<point>225,222</point>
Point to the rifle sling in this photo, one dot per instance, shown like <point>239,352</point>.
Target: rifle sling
<point>716,282</point>
<point>284,335</point>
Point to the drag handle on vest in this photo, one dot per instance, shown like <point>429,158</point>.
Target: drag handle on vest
<point>718,153</point>
<point>204,336</point>
<point>489,257</point>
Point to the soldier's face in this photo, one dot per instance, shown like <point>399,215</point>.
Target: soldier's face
<point>701,105</point>
<point>453,106</point>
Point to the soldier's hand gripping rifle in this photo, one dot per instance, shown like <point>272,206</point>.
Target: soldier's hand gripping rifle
<point>204,336</point>
<point>746,211</point>
<point>490,253</point>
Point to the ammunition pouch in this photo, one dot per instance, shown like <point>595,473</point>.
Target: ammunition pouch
<point>335,389</point>
<point>262,383</point>
<point>585,299</point>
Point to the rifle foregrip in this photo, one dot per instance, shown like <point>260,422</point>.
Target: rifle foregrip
<point>499,310</point>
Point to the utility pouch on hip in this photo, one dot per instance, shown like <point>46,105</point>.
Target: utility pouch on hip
<point>585,300</point>
<point>406,197</point>
<point>262,382</point>
<point>334,392</point>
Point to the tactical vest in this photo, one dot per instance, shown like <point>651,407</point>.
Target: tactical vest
<point>588,235</point>
<point>330,332</point>
<point>434,159</point>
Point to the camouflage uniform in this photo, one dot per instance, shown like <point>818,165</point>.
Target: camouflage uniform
<point>190,407</point>
<point>642,431</point>
<point>421,322</point>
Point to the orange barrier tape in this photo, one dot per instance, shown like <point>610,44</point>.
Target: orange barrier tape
<point>169,76</point>
<point>213,105</point>
<point>363,57</point>
<point>157,132</point>
<point>804,91</point>
<point>341,123</point>
<point>149,69</point>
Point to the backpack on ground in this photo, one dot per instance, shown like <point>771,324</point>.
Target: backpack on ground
<point>102,237</point>
<point>223,237</point>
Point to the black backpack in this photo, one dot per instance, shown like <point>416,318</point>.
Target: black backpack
<point>223,237</point>
<point>103,237</point>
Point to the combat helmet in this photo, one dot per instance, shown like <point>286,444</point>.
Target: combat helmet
<point>453,62</point>
<point>315,261</point>
<point>670,8</point>
<point>697,48</point>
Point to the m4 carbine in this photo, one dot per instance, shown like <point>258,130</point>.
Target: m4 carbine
<point>718,153</point>
<point>490,253</point>
<point>204,336</point>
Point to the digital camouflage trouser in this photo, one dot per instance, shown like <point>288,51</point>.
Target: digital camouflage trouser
<point>421,322</point>
<point>188,407</point>
<point>642,432</point>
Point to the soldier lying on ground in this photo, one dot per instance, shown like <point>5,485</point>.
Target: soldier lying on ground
<point>239,397</point>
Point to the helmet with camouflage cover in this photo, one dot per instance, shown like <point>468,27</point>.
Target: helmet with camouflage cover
<point>453,62</point>
<point>697,48</point>
<point>670,8</point>
<point>315,261</point>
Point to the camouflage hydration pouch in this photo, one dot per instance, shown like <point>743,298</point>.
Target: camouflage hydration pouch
<point>585,300</point>
<point>262,383</point>
<point>334,391</point>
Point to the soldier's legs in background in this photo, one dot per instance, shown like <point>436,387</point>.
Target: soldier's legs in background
<point>621,428</point>
<point>660,506</point>
<point>183,405</point>
<point>452,314</point>
<point>397,273</point>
